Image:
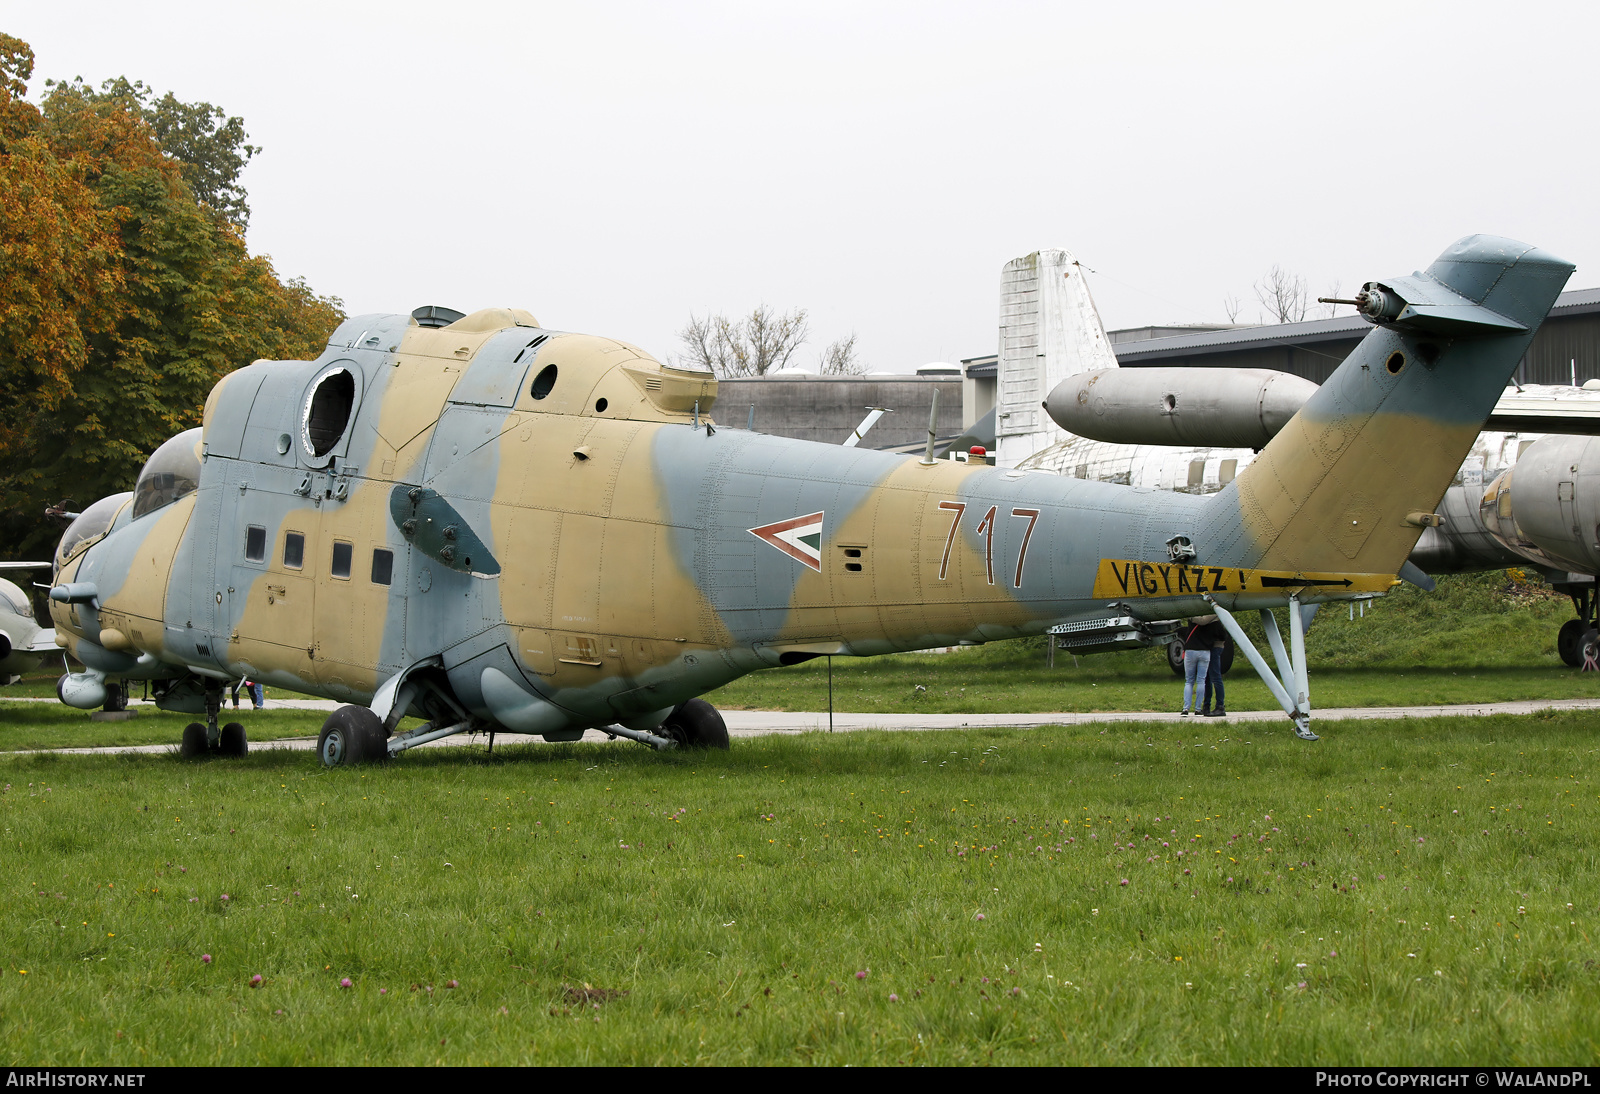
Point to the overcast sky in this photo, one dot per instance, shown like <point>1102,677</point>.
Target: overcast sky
<point>614,167</point>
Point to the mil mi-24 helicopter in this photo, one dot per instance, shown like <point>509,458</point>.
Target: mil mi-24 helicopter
<point>489,525</point>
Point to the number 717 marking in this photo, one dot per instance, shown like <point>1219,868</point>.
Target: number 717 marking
<point>986,529</point>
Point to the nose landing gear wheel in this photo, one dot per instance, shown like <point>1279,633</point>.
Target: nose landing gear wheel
<point>1590,651</point>
<point>194,741</point>
<point>233,742</point>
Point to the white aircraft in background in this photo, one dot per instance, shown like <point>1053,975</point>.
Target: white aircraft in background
<point>23,643</point>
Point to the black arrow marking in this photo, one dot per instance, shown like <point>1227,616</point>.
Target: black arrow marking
<point>1287,582</point>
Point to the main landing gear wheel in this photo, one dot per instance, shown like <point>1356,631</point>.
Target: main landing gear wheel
<point>696,724</point>
<point>1569,643</point>
<point>194,741</point>
<point>233,742</point>
<point>352,735</point>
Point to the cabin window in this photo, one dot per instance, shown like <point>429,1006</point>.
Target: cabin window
<point>382,566</point>
<point>294,550</point>
<point>342,554</point>
<point>255,543</point>
<point>1197,474</point>
<point>1229,469</point>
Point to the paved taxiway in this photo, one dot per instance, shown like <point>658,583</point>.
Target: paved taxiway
<point>755,723</point>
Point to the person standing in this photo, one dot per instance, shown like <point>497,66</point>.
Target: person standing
<point>1196,663</point>
<point>1219,646</point>
<point>257,693</point>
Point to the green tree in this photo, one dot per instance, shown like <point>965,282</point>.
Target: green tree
<point>125,297</point>
<point>208,146</point>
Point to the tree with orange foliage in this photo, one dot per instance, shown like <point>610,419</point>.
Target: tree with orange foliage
<point>123,297</point>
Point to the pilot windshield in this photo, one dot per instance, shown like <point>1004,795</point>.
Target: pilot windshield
<point>171,473</point>
<point>91,522</point>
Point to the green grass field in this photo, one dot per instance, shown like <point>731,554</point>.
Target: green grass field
<point>1418,892</point>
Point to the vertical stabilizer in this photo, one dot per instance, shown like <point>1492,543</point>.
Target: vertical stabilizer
<point>1351,481</point>
<point>1049,330</point>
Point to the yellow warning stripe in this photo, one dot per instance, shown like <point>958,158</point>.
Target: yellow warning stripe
<point>1125,578</point>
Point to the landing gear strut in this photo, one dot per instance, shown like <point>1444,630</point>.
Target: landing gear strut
<point>356,734</point>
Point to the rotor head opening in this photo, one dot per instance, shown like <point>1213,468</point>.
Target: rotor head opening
<point>327,413</point>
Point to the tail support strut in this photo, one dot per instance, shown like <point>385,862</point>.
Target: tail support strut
<point>1290,684</point>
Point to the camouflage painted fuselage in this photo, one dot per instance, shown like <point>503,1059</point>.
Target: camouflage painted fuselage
<point>581,552</point>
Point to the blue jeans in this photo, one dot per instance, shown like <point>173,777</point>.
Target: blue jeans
<point>1196,663</point>
<point>1214,681</point>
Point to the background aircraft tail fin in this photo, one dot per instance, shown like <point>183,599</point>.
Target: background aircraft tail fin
<point>1351,481</point>
<point>1049,330</point>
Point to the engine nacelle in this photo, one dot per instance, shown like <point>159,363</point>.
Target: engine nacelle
<point>1547,507</point>
<point>1197,407</point>
<point>83,690</point>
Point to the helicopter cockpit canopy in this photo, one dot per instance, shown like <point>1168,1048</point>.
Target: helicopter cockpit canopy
<point>89,523</point>
<point>172,472</point>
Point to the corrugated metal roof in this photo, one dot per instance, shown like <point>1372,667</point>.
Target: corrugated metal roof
<point>1343,329</point>
<point>1577,302</point>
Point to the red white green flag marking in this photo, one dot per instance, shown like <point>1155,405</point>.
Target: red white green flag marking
<point>798,537</point>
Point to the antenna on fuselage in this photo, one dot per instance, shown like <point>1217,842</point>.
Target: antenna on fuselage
<point>933,423</point>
